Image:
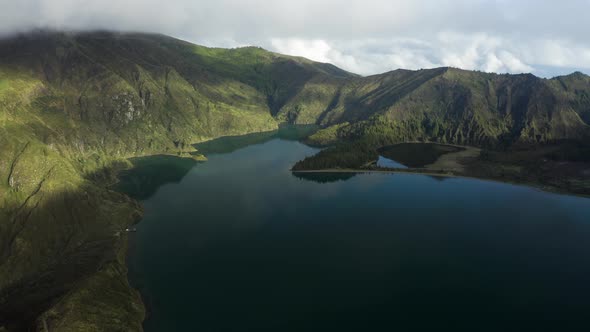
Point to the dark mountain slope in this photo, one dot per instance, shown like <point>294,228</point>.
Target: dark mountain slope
<point>464,107</point>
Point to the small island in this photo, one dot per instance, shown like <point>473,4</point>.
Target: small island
<point>557,167</point>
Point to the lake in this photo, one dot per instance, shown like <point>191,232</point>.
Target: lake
<point>239,243</point>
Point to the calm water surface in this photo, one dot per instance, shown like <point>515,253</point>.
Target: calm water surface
<point>240,244</point>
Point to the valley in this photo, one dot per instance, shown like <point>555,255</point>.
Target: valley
<point>77,110</point>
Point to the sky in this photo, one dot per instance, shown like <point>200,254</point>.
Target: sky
<point>545,37</point>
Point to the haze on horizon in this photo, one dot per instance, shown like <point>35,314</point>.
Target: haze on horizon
<point>363,36</point>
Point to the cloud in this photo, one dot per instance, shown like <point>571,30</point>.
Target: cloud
<point>365,36</point>
<point>475,52</point>
<point>480,51</point>
<point>317,50</point>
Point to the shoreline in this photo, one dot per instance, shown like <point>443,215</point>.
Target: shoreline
<point>532,185</point>
<point>385,171</point>
<point>130,244</point>
<point>145,297</point>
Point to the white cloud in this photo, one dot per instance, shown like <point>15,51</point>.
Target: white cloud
<point>365,36</point>
<point>558,53</point>
<point>317,50</point>
<point>475,52</point>
<point>480,51</point>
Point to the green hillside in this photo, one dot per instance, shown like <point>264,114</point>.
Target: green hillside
<point>463,107</point>
<point>73,108</point>
<point>447,105</point>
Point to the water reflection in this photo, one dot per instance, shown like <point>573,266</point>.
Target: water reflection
<point>150,173</point>
<point>324,177</point>
<point>232,143</point>
<point>240,244</point>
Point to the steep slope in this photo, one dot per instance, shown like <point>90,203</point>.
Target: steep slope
<point>464,107</point>
<point>574,91</point>
<point>117,86</point>
<point>533,130</point>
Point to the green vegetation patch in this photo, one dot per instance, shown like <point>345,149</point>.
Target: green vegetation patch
<point>326,136</point>
<point>343,156</point>
<point>571,151</point>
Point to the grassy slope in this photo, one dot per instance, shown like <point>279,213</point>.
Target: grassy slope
<point>57,229</point>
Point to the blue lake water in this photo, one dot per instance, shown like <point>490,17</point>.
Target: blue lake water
<point>241,244</point>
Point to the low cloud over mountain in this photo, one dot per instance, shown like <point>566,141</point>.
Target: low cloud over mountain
<point>367,37</point>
